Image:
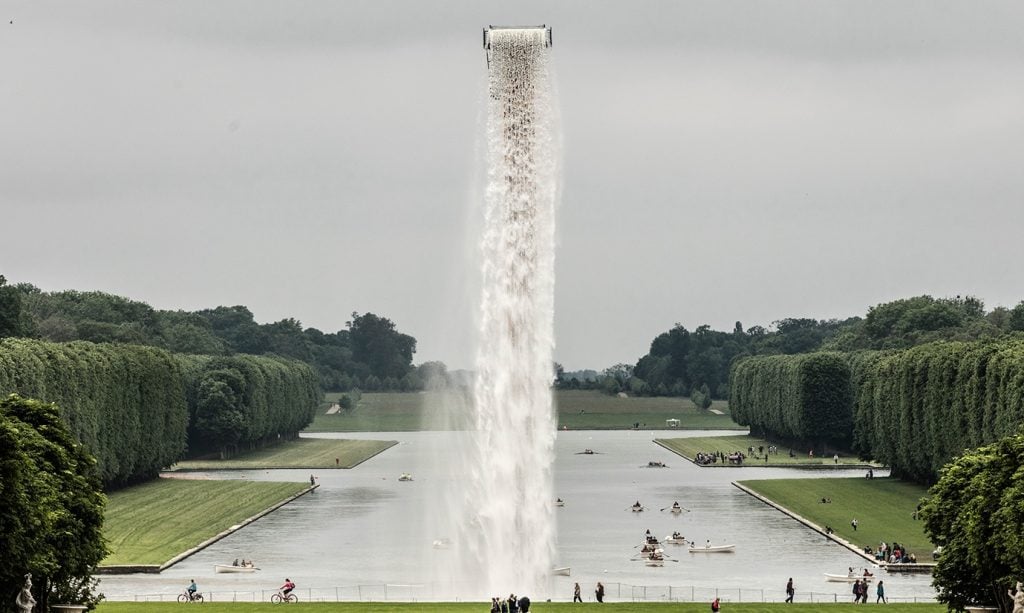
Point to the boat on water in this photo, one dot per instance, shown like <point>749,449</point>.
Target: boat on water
<point>229,568</point>
<point>559,503</point>
<point>675,540</point>
<point>442,543</point>
<point>654,464</point>
<point>713,549</point>
<point>675,509</point>
<point>655,561</point>
<point>848,578</point>
<point>561,570</point>
<point>405,477</point>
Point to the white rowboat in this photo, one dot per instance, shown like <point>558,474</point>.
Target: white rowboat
<point>675,541</point>
<point>561,570</point>
<point>227,568</point>
<point>713,549</point>
<point>848,578</point>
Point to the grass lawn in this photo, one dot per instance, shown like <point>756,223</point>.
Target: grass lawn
<point>153,522</point>
<point>299,453</point>
<point>883,508</point>
<point>577,410</point>
<point>538,607</point>
<point>689,447</point>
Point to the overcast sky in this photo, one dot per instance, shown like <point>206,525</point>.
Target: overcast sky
<point>724,160</point>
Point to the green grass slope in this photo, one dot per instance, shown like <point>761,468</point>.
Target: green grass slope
<point>153,522</point>
<point>299,453</point>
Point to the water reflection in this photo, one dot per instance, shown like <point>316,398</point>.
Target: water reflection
<point>365,528</point>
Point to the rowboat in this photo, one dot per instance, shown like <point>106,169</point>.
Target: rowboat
<point>675,540</point>
<point>655,562</point>
<point>228,568</point>
<point>405,477</point>
<point>636,509</point>
<point>713,549</point>
<point>559,503</point>
<point>442,543</point>
<point>561,570</point>
<point>848,578</point>
<point>675,509</point>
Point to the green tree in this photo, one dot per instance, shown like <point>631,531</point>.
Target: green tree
<point>11,320</point>
<point>51,504</point>
<point>376,343</point>
<point>976,514</point>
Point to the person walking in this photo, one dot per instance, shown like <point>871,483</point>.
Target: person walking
<point>853,524</point>
<point>881,593</point>
<point>599,592</point>
<point>790,591</point>
<point>576,593</point>
<point>715,606</point>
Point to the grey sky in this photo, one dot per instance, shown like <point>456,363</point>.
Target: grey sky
<point>723,161</point>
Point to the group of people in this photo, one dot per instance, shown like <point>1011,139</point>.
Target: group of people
<point>861,588</point>
<point>894,554</point>
<point>512,604</point>
<point>243,563</point>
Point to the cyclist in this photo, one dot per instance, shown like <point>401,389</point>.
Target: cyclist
<point>192,589</point>
<point>287,587</point>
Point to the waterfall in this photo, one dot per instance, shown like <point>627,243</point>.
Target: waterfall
<point>509,527</point>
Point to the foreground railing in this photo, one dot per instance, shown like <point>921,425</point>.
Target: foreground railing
<point>613,592</point>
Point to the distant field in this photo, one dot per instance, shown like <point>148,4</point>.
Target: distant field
<point>535,607</point>
<point>690,447</point>
<point>883,507</point>
<point>577,410</point>
<point>300,453</point>
<point>153,522</point>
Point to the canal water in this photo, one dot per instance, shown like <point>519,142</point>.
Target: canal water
<point>364,535</point>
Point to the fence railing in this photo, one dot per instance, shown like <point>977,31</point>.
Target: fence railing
<point>444,592</point>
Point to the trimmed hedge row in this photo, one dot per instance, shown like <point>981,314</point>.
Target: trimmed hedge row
<point>255,399</point>
<point>917,409</point>
<point>804,397</point>
<point>135,407</point>
<point>125,403</point>
<point>913,410</point>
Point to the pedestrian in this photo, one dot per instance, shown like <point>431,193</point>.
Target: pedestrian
<point>576,593</point>
<point>853,523</point>
<point>835,458</point>
<point>524,604</point>
<point>599,592</point>
<point>312,480</point>
<point>715,606</point>
<point>856,591</point>
<point>513,604</point>
<point>881,593</point>
<point>790,590</point>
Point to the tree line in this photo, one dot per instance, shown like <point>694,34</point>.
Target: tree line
<point>138,408</point>
<point>370,353</point>
<point>681,362</point>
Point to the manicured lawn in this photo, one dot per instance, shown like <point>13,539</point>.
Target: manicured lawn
<point>883,507</point>
<point>299,453</point>
<point>153,522</point>
<point>577,410</point>
<point>538,607</point>
<point>690,447</point>
<point>593,410</point>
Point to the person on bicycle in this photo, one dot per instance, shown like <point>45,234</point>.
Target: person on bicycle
<point>192,589</point>
<point>287,587</point>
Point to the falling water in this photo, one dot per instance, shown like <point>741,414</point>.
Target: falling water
<point>509,530</point>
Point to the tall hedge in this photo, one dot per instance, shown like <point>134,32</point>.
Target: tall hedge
<point>125,403</point>
<point>136,408</point>
<point>243,401</point>
<point>804,398</point>
<point>917,409</point>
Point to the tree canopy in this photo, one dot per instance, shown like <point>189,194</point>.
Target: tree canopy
<point>51,504</point>
<point>370,353</point>
<point>976,514</point>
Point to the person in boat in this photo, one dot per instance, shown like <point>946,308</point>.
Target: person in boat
<point>558,500</point>
<point>676,535</point>
<point>192,589</point>
<point>235,563</point>
<point>637,505</point>
<point>707,545</point>
<point>675,506</point>
<point>867,573</point>
<point>849,572</point>
<point>287,587</point>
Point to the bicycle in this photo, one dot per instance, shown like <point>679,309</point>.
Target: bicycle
<point>282,597</point>
<point>185,597</point>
